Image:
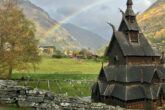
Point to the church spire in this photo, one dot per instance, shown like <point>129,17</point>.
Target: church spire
<point>129,11</point>
<point>129,4</point>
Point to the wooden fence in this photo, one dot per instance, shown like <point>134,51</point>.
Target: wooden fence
<point>57,81</point>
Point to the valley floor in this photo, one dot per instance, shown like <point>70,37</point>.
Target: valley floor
<point>80,73</point>
<point>66,66</point>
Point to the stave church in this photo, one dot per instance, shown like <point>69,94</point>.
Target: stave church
<point>135,75</point>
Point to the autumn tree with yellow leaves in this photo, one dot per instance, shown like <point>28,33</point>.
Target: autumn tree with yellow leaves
<point>18,46</point>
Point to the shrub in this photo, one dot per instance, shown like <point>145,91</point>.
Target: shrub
<point>102,59</point>
<point>57,56</point>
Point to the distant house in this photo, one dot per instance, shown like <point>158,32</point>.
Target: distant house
<point>80,56</point>
<point>47,50</point>
<point>69,53</point>
<point>92,56</point>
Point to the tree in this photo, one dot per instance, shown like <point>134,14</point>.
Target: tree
<point>18,46</point>
<point>105,51</point>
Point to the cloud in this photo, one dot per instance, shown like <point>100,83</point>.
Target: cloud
<point>94,19</point>
<point>66,11</point>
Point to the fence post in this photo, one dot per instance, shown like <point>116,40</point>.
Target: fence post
<point>49,85</point>
<point>26,82</point>
<point>38,84</point>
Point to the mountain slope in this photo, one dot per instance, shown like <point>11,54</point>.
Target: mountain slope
<point>70,38</point>
<point>86,38</point>
<point>152,23</point>
<point>61,38</point>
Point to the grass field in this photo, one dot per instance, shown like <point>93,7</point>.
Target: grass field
<point>62,69</point>
<point>57,76</point>
<point>75,89</point>
<point>66,66</point>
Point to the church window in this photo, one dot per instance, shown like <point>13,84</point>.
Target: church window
<point>116,60</point>
<point>134,37</point>
<point>131,19</point>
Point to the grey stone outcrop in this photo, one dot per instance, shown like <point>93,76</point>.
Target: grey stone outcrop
<point>11,93</point>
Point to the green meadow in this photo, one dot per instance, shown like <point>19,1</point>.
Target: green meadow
<point>50,65</point>
<point>62,70</point>
<point>75,89</point>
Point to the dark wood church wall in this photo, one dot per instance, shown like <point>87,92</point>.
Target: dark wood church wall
<point>128,105</point>
<point>96,96</point>
<point>116,57</point>
<point>146,104</point>
<point>135,105</point>
<point>163,103</point>
<point>142,60</point>
<point>114,102</point>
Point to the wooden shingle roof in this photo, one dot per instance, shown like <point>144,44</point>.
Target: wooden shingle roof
<point>132,26</point>
<point>142,48</point>
<point>94,87</point>
<point>127,93</point>
<point>102,87</point>
<point>134,73</point>
<point>152,92</point>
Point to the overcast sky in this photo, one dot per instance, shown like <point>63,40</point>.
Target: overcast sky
<point>94,19</point>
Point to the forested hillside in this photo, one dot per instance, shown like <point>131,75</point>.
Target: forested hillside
<point>152,23</point>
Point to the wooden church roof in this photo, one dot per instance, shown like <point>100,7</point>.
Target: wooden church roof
<point>123,73</point>
<point>152,92</point>
<point>101,86</point>
<point>131,26</point>
<point>127,93</point>
<point>142,48</point>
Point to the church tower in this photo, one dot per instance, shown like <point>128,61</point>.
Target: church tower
<point>135,75</point>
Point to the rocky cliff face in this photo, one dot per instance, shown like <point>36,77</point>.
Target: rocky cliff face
<point>152,23</point>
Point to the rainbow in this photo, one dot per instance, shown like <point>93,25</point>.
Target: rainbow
<point>76,13</point>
